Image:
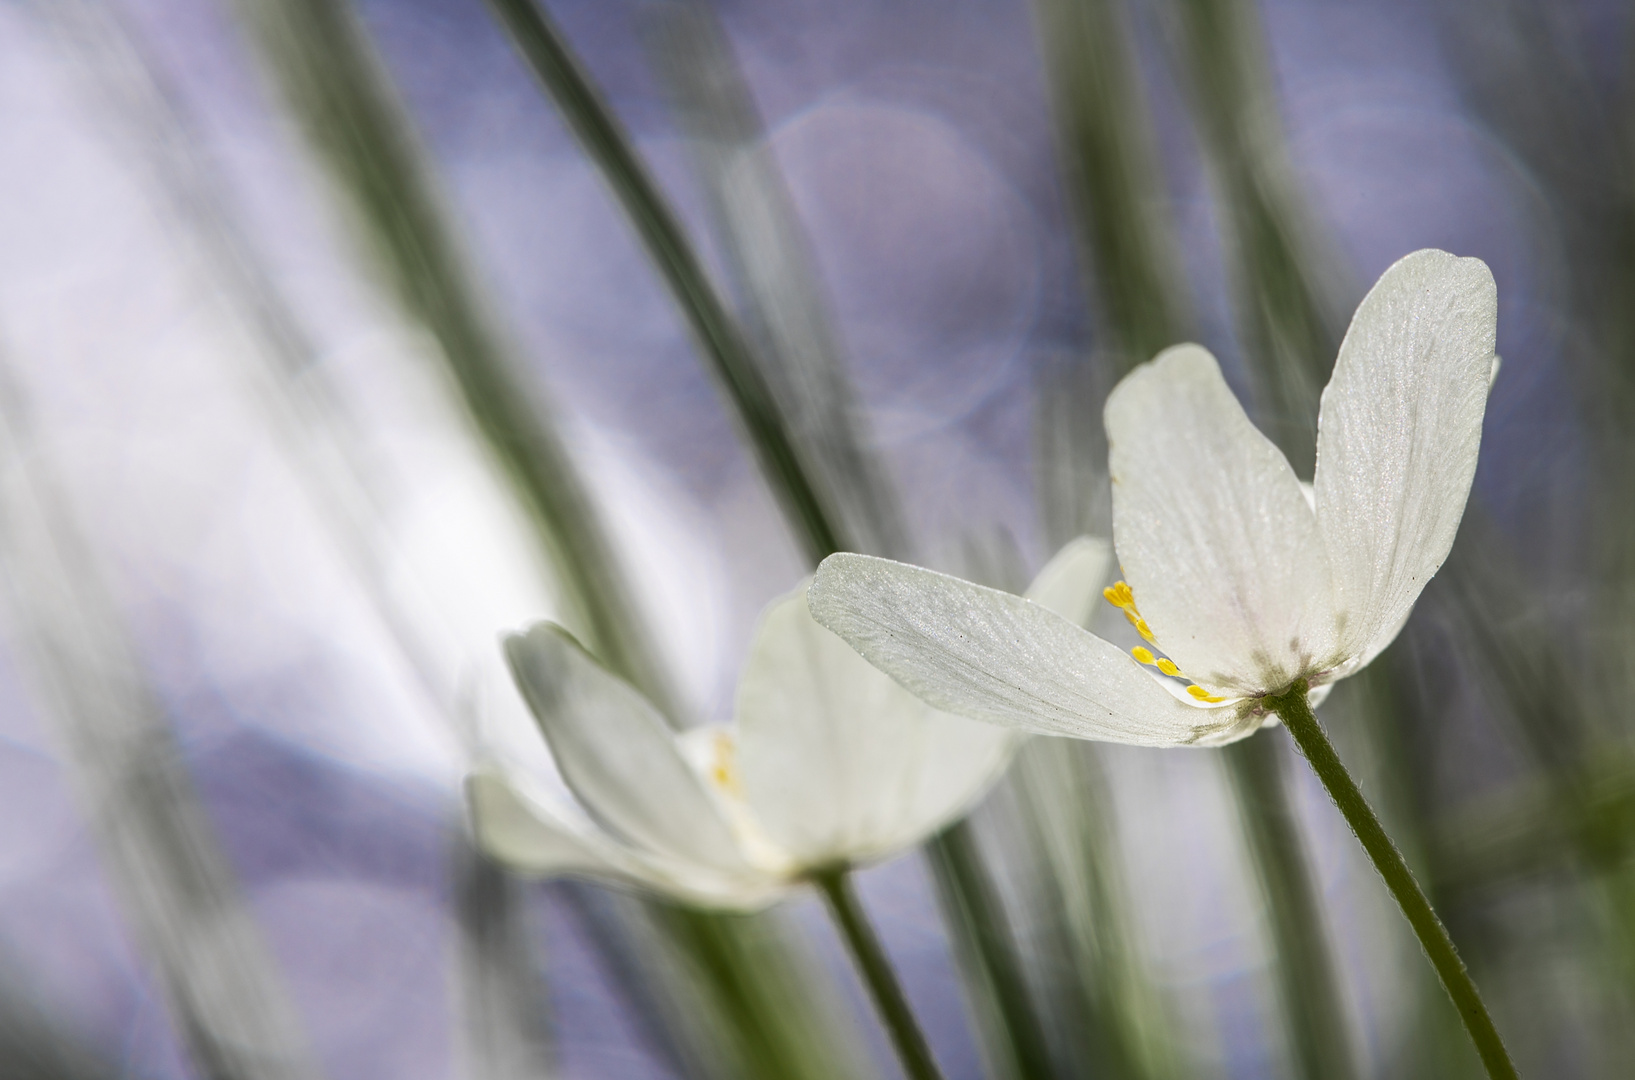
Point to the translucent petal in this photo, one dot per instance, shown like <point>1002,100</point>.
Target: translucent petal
<point>1397,438</point>
<point>996,657</point>
<point>1213,533</point>
<point>616,752</point>
<point>837,762</point>
<point>1070,583</point>
<point>529,836</point>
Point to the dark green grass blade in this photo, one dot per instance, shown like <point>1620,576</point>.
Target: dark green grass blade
<point>811,517</point>
<point>774,275</point>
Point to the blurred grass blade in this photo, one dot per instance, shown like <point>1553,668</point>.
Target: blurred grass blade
<point>1289,316</point>
<point>34,1043</point>
<point>304,408</point>
<point>741,968</point>
<point>1070,453</point>
<point>504,1000</point>
<point>160,852</point>
<point>1111,1020</point>
<point>990,961</point>
<point>317,56</point>
<point>1087,54</point>
<point>1115,187</point>
<point>1309,983</point>
<point>773,273</point>
<point>811,516</point>
<point>769,1017</point>
<point>772,269</point>
<point>502,994</point>
<point>724,997</point>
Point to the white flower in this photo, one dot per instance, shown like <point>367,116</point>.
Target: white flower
<point>1246,582</point>
<point>828,763</point>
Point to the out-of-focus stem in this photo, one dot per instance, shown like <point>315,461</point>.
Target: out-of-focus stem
<point>1295,712</point>
<point>881,980</point>
<point>975,912</point>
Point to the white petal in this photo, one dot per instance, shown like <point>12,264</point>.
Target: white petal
<point>616,752</point>
<point>1397,438</point>
<point>529,836</point>
<point>1214,536</point>
<point>837,762</point>
<point>998,658</point>
<point>1071,582</point>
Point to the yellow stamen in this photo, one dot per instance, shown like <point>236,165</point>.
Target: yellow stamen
<point>1145,631</point>
<point>722,771</point>
<point>1167,666</point>
<point>1119,595</point>
<point>1146,657</point>
<point>1202,695</point>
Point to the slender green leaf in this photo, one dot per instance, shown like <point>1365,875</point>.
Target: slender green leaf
<point>811,517</point>
<point>774,275</point>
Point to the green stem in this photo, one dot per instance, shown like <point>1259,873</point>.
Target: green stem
<point>906,1037</point>
<point>1292,707</point>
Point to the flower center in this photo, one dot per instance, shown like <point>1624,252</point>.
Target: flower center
<point>1121,596</point>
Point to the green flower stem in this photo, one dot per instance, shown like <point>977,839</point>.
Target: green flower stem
<point>906,1037</point>
<point>1295,712</point>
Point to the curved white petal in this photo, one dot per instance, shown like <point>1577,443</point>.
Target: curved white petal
<point>1070,583</point>
<point>529,836</point>
<point>616,752</point>
<point>1397,436</point>
<point>999,658</point>
<point>1213,533</point>
<point>836,761</point>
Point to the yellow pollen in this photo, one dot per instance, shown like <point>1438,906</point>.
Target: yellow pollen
<point>1202,695</point>
<point>1146,657</point>
<point>1167,666</point>
<point>722,771</point>
<point>1145,631</point>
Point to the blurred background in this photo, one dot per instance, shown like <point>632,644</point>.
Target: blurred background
<point>338,337</point>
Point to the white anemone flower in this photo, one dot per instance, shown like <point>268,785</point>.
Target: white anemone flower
<point>1246,583</point>
<point>828,763</point>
